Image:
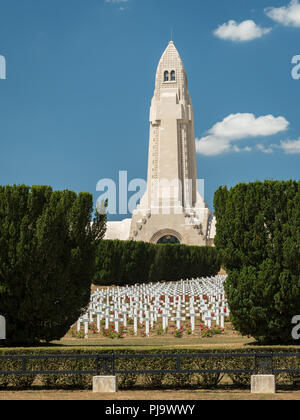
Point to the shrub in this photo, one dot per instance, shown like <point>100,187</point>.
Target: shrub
<point>131,380</point>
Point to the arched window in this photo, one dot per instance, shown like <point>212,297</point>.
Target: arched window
<point>173,76</point>
<point>166,76</point>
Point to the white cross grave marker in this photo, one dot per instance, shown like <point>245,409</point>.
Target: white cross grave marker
<point>178,320</point>
<point>135,318</point>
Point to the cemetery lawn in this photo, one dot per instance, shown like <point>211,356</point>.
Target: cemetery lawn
<point>164,341</point>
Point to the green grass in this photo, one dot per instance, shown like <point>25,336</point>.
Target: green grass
<point>158,341</point>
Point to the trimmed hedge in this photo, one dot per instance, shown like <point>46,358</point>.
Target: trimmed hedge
<point>129,262</point>
<point>132,380</point>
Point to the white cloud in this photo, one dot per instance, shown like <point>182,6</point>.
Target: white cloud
<point>268,150</point>
<point>241,32</point>
<point>291,147</point>
<point>212,146</point>
<point>236,127</point>
<point>286,15</point>
<point>241,149</point>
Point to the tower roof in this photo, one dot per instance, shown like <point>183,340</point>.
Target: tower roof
<point>171,62</point>
<point>171,58</point>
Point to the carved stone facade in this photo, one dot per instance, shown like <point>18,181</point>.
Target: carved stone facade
<point>172,207</point>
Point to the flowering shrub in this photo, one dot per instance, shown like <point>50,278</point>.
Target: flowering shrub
<point>77,334</point>
<point>161,331</point>
<point>93,328</point>
<point>178,333</point>
<point>188,329</point>
<point>130,321</point>
<point>112,333</point>
<point>206,333</point>
<point>210,332</point>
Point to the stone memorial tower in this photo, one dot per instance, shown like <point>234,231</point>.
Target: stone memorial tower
<point>172,209</point>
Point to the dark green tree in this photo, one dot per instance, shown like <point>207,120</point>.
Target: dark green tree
<point>258,238</point>
<point>47,260</point>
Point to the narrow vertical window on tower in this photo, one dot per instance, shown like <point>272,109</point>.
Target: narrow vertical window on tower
<point>166,76</point>
<point>173,76</point>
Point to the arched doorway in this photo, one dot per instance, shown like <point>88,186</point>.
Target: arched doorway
<point>168,239</point>
<point>166,236</point>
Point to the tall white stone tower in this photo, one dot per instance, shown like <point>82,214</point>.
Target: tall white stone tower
<point>172,209</point>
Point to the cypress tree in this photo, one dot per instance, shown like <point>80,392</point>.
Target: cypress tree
<point>47,260</point>
<point>258,238</point>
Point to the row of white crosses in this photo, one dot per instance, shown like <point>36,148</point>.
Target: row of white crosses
<point>147,303</point>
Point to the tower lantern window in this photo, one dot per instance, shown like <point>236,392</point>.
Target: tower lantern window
<point>173,76</point>
<point>166,76</point>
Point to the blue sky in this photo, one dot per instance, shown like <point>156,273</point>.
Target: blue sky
<point>80,77</point>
